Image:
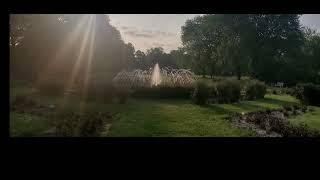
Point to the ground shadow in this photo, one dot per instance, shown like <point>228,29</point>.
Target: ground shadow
<point>275,101</point>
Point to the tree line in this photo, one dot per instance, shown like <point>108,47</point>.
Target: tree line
<point>273,47</point>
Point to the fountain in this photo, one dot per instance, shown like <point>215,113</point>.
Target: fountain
<point>155,77</point>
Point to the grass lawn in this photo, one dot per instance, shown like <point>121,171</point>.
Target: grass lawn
<point>312,118</point>
<point>22,124</point>
<point>181,118</point>
<point>156,117</point>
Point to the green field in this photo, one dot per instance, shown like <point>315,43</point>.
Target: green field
<point>156,117</point>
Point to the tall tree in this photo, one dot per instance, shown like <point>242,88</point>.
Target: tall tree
<point>192,39</point>
<point>140,60</point>
<point>278,38</point>
<point>59,44</point>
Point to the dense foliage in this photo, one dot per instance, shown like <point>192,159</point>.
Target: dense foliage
<point>88,124</point>
<point>59,52</point>
<point>271,47</point>
<point>255,90</point>
<point>228,91</point>
<point>163,92</point>
<point>201,93</point>
<point>73,49</point>
<point>308,93</point>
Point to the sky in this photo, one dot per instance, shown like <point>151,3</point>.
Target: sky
<point>145,31</point>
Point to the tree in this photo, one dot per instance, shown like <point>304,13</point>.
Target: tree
<point>58,45</point>
<point>237,41</point>
<point>140,60</point>
<point>157,55</point>
<point>309,69</point>
<point>203,37</point>
<point>181,58</point>
<point>192,37</point>
<point>129,56</point>
<point>258,44</point>
<point>278,39</point>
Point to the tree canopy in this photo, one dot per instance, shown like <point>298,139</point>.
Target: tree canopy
<point>270,47</point>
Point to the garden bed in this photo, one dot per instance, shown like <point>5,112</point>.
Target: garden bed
<point>273,123</point>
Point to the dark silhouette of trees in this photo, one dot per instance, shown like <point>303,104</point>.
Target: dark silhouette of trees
<point>255,44</point>
<point>59,45</point>
<point>80,48</point>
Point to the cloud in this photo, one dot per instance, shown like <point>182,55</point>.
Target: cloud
<point>145,33</point>
<point>138,34</point>
<point>128,28</point>
<point>158,44</point>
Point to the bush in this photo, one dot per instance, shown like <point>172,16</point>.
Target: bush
<point>289,91</point>
<point>300,130</point>
<point>308,93</point>
<point>71,124</point>
<point>92,124</point>
<point>274,92</point>
<point>67,124</point>
<point>163,92</point>
<point>298,91</point>
<point>228,91</point>
<point>269,120</point>
<point>255,90</point>
<point>201,93</point>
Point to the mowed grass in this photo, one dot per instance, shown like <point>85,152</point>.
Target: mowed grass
<point>312,119</point>
<point>157,117</point>
<point>27,125</point>
<point>182,118</point>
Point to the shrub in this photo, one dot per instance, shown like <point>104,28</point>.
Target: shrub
<point>287,107</point>
<point>269,91</point>
<point>289,91</point>
<point>228,91</point>
<point>255,90</point>
<point>308,93</point>
<point>163,92</point>
<point>297,107</point>
<point>298,91</point>
<point>92,124</point>
<point>67,124</point>
<point>300,130</point>
<point>271,121</point>
<point>274,92</point>
<point>70,124</point>
<point>201,93</point>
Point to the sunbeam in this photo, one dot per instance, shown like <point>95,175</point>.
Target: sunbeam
<point>88,66</point>
<point>76,67</point>
<point>64,48</point>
